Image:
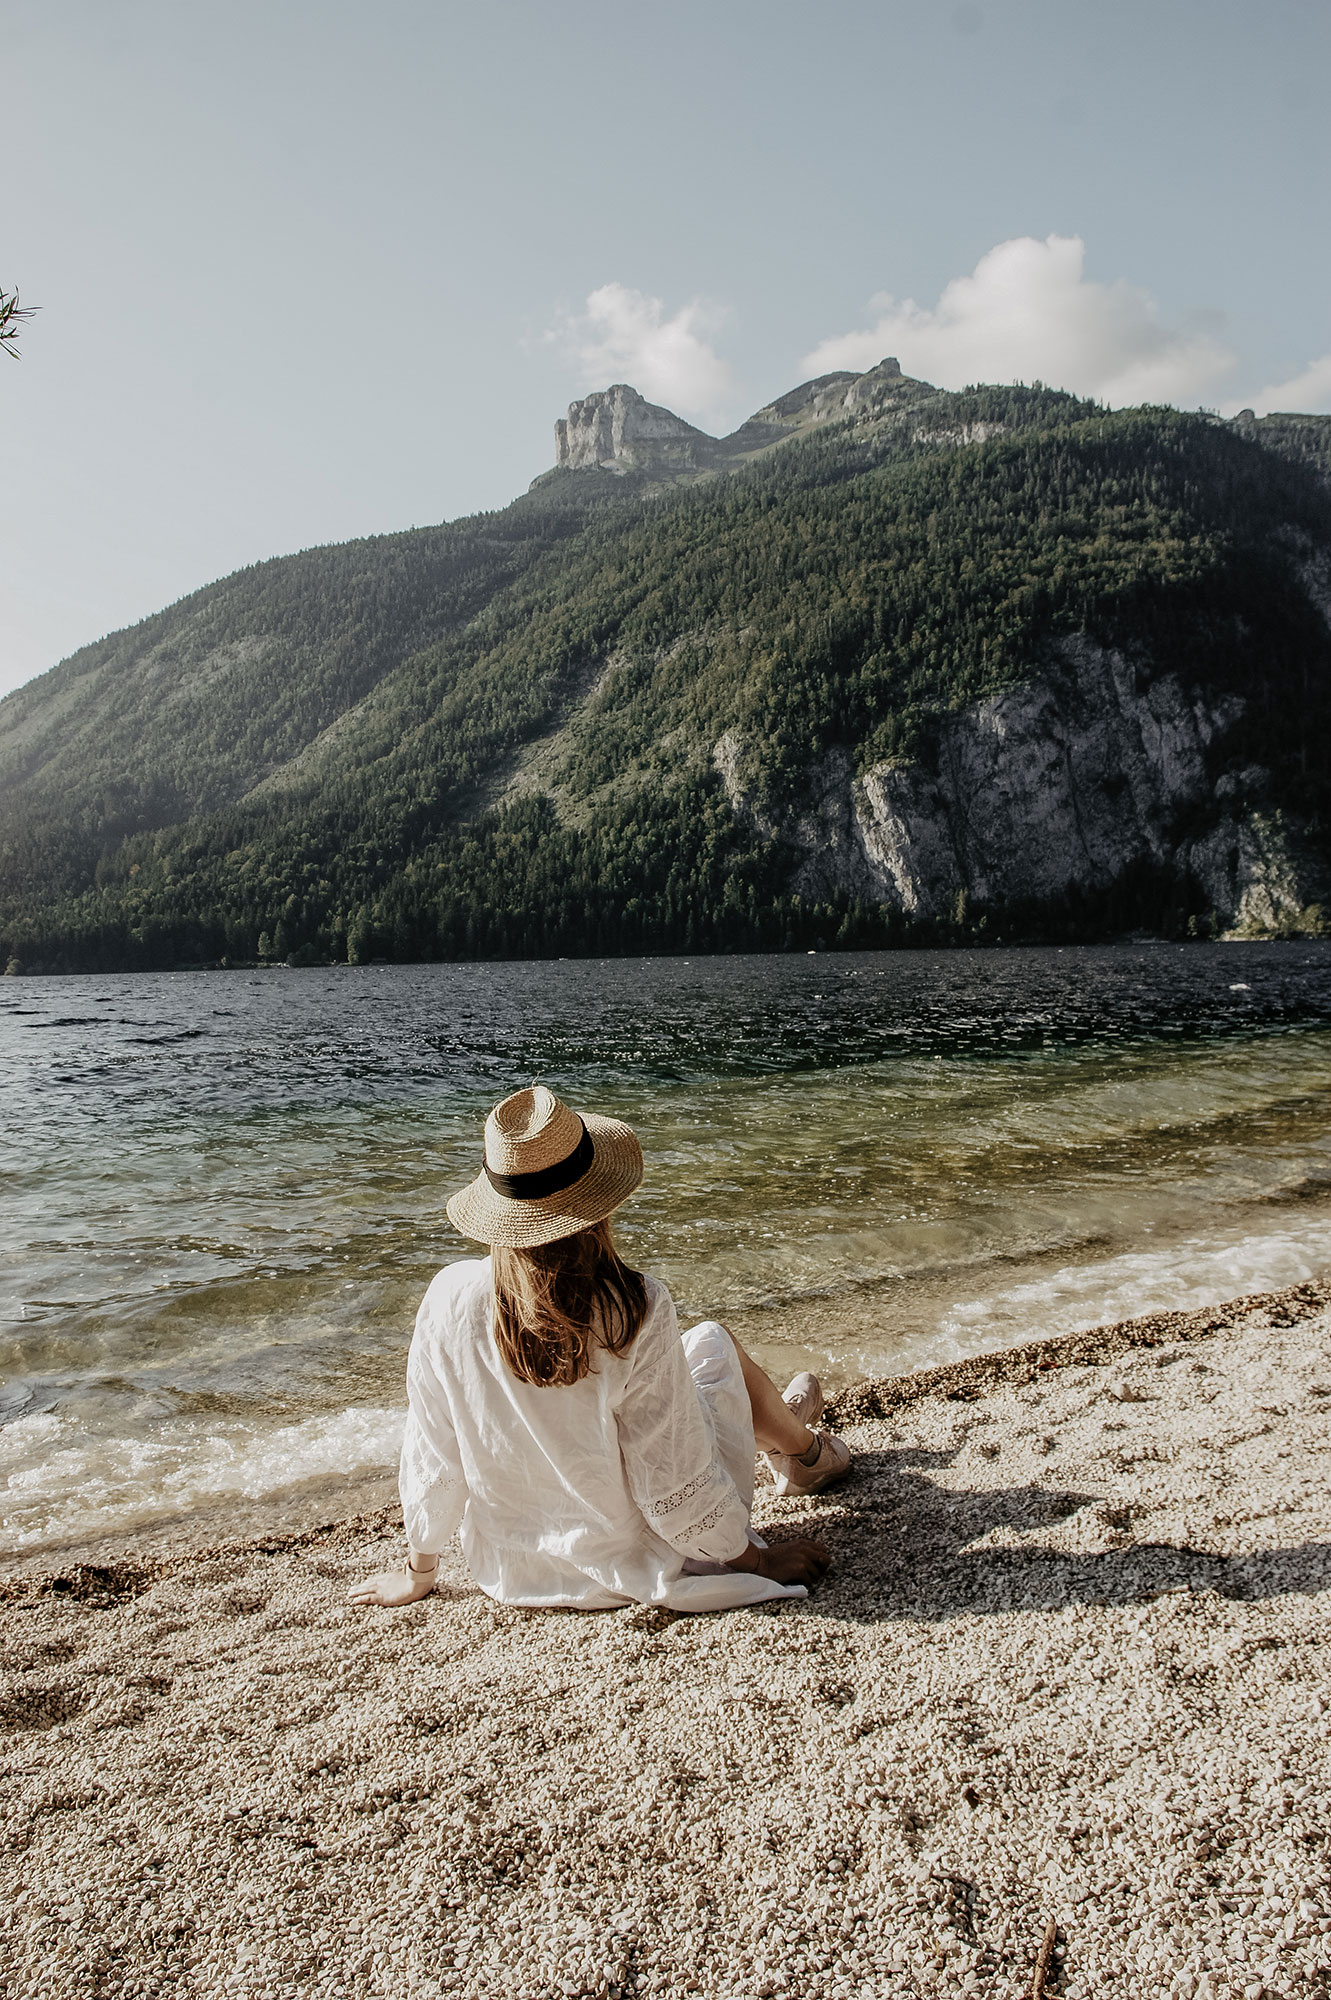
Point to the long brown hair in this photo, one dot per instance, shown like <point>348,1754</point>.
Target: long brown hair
<point>556,1304</point>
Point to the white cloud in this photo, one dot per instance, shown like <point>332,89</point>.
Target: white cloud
<point>1027,313</point>
<point>624,336</point>
<point>1308,393</point>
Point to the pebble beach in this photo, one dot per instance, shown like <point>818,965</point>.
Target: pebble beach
<point>1065,1686</point>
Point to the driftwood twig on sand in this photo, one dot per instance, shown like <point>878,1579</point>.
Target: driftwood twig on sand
<point>1044,1963</point>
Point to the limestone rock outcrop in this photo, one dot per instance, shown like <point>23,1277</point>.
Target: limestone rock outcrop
<point>617,430</point>
<point>1046,790</point>
<point>1257,872</point>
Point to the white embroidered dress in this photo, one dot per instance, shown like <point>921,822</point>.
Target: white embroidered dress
<point>632,1485</point>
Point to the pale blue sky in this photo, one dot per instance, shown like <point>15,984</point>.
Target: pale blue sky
<point>311,270</point>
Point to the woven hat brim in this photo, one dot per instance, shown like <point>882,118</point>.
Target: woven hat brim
<point>479,1212</point>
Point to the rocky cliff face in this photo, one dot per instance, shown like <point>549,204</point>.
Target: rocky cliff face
<point>617,430</point>
<point>1258,872</point>
<point>1049,789</point>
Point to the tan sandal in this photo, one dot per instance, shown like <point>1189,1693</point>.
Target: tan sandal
<point>793,1475</point>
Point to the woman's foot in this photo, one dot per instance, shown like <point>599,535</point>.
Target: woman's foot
<point>827,1457</point>
<point>824,1463</point>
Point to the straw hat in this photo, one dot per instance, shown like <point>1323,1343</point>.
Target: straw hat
<point>547,1172</point>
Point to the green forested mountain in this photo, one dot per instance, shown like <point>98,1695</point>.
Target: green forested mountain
<point>889,663</point>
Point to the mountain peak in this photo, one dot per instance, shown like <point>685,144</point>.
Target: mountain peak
<point>618,430</point>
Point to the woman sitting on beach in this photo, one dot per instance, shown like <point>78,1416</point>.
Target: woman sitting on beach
<point>588,1453</point>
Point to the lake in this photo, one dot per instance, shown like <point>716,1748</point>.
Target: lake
<point>223,1192</point>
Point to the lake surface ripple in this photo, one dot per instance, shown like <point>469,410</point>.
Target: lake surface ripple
<point>223,1192</point>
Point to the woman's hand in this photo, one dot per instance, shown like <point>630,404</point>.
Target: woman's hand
<point>800,1561</point>
<point>394,1586</point>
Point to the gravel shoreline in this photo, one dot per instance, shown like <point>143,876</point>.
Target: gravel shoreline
<point>1070,1663</point>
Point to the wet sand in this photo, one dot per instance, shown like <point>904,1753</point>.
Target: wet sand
<point>1070,1663</point>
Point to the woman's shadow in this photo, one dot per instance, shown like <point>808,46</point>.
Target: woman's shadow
<point>905,1546</point>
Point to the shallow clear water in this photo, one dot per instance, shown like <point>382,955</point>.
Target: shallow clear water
<point>223,1192</point>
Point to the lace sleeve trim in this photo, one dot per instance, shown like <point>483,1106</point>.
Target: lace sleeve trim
<point>709,1520</point>
<point>672,1502</point>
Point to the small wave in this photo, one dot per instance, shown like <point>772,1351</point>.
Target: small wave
<point>63,1482</point>
<point>160,1041</point>
<point>1181,1277</point>
<point>1308,1187</point>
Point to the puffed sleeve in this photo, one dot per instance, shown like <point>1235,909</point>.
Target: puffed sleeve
<point>430,1480</point>
<point>682,1490</point>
